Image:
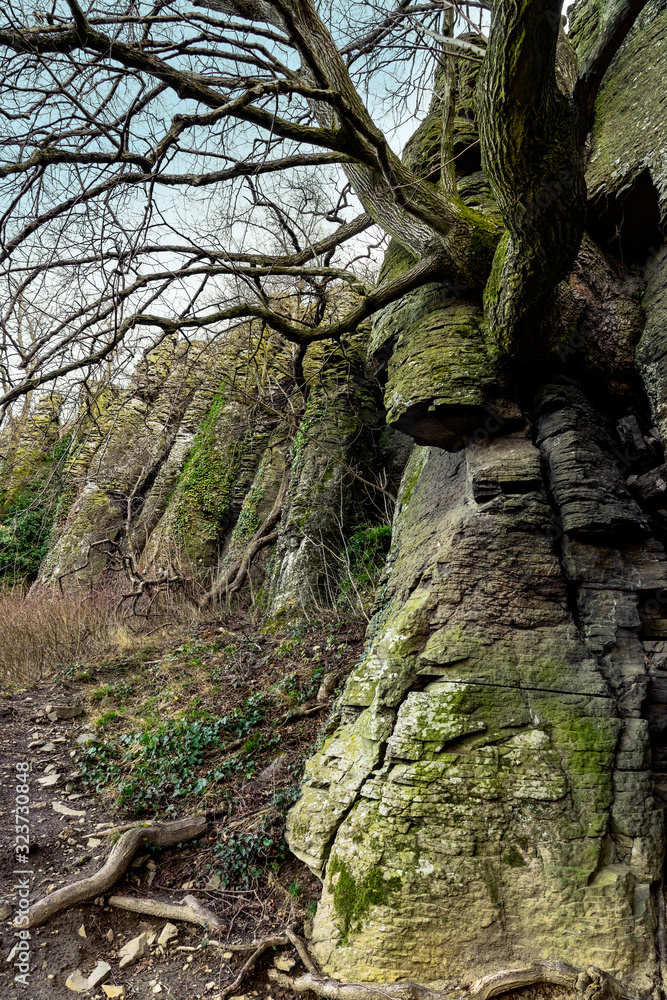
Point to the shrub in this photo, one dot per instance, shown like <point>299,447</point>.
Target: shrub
<point>366,552</point>
<point>43,630</point>
<point>25,535</point>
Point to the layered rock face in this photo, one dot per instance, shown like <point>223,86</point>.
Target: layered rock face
<point>169,480</point>
<point>486,797</point>
<point>490,790</point>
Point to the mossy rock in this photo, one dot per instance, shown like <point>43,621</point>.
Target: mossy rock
<point>627,172</point>
<point>471,803</point>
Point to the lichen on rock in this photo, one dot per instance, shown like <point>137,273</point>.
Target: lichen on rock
<point>480,766</point>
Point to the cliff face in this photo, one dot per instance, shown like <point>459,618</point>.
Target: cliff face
<point>490,789</point>
<point>493,789</point>
<point>211,461</point>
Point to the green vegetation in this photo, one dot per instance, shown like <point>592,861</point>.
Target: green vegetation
<point>353,900</point>
<point>25,535</point>
<point>207,481</point>
<point>367,550</point>
<point>244,856</point>
<point>33,511</point>
<point>168,760</point>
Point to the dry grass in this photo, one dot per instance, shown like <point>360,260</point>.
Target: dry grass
<point>41,631</point>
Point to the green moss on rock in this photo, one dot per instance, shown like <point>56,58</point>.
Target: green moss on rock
<point>353,900</point>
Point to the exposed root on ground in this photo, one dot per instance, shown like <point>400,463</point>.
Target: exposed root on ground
<point>146,835</point>
<point>593,984</point>
<point>261,947</point>
<point>190,910</point>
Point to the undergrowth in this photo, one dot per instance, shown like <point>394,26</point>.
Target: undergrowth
<point>45,632</point>
<point>365,555</point>
<point>243,856</point>
<point>167,763</point>
<point>202,723</point>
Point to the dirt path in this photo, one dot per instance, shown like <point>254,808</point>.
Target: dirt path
<point>67,843</point>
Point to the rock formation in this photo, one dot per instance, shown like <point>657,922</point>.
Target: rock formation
<point>491,786</point>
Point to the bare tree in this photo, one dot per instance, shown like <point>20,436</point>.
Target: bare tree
<point>115,123</point>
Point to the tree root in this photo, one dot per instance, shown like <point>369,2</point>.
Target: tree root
<point>302,952</point>
<point>593,984</point>
<point>336,990</point>
<point>162,835</point>
<point>265,535</point>
<point>190,910</point>
<point>270,942</point>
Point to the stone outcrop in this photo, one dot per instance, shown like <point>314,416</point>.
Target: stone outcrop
<point>172,477</point>
<point>627,173</point>
<point>486,796</point>
<point>491,785</point>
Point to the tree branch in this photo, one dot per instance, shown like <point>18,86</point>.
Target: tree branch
<point>598,60</point>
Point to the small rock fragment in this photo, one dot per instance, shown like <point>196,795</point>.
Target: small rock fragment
<point>99,975</point>
<point>82,931</point>
<point>93,842</point>
<point>110,935</point>
<point>55,712</point>
<point>49,780</point>
<point>77,982</point>
<point>167,934</point>
<point>6,909</point>
<point>85,738</point>
<point>284,963</point>
<point>65,810</point>
<point>114,992</point>
<point>132,951</point>
<point>213,883</point>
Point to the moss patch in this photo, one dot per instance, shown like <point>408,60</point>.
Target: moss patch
<point>352,900</point>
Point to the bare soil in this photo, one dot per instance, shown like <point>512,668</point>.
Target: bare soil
<point>63,847</point>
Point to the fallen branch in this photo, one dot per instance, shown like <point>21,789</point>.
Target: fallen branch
<point>278,942</point>
<point>255,816</point>
<point>162,835</point>
<point>190,910</point>
<point>304,711</point>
